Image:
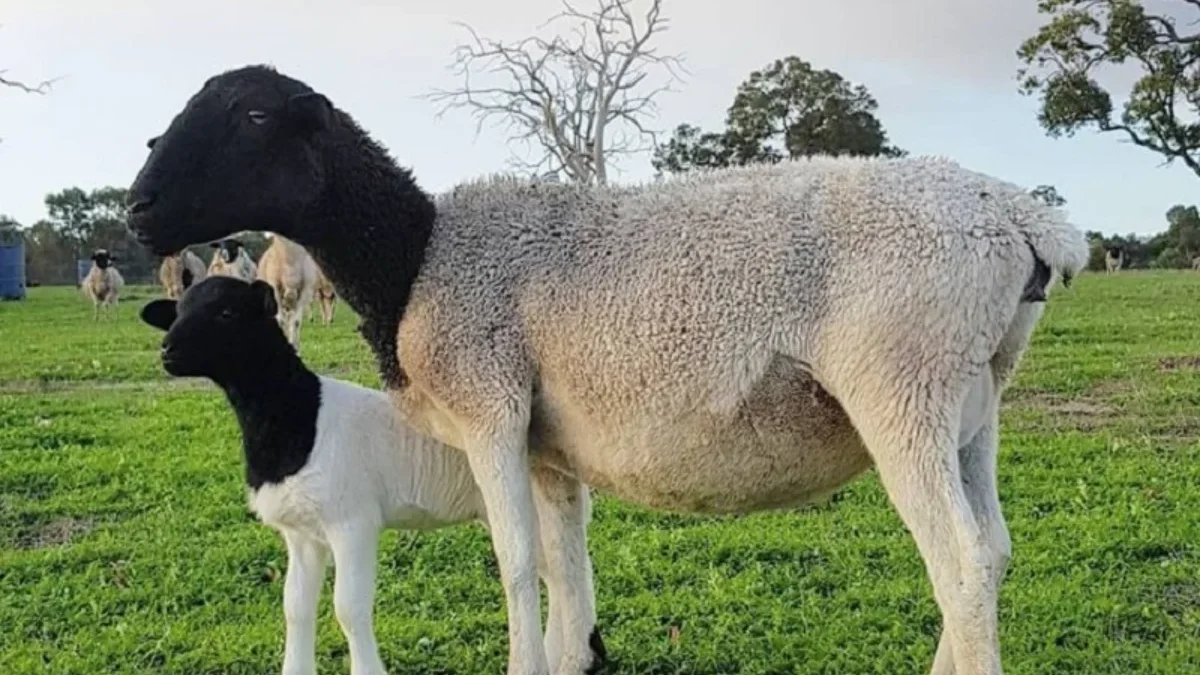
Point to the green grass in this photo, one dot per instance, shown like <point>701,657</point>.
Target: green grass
<point>126,545</point>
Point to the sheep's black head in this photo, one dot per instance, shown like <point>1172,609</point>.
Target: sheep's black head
<point>222,328</point>
<point>242,155</point>
<point>230,248</point>
<point>103,258</point>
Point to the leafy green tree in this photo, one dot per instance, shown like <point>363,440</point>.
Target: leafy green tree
<point>787,109</point>
<point>1084,38</point>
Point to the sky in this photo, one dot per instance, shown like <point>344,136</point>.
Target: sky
<point>943,71</point>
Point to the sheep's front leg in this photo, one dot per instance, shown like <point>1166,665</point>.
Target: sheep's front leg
<point>301,590</point>
<point>500,465</point>
<point>354,551</point>
<point>573,644</point>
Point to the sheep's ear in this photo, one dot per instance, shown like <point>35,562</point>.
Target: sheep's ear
<point>159,313</point>
<point>266,296</point>
<point>310,111</point>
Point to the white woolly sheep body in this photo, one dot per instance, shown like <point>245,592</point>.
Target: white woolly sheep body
<point>102,285</point>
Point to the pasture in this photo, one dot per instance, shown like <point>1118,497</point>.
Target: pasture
<point>126,545</point>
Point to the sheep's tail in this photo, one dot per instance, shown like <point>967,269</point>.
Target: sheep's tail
<point>1059,249</point>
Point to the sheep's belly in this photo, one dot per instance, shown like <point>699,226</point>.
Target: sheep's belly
<point>789,443</point>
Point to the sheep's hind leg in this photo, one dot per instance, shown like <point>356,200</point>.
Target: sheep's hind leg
<point>301,590</point>
<point>910,428</point>
<point>573,643</point>
<point>978,459</point>
<point>354,551</point>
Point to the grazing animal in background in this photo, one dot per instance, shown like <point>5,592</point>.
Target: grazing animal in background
<point>1196,263</point>
<point>231,259</point>
<point>723,342</point>
<point>178,272</point>
<point>292,272</point>
<point>329,463</point>
<point>326,296</point>
<point>1114,258</point>
<point>103,284</point>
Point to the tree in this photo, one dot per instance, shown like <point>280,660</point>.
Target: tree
<point>1085,37</point>
<point>579,101</point>
<point>10,229</point>
<point>787,109</point>
<point>1049,195</point>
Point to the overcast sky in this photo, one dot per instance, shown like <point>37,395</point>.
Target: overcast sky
<point>942,70</point>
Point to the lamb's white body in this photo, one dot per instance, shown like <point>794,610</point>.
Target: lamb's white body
<point>733,341</point>
<point>292,272</point>
<point>368,471</point>
<point>103,288</point>
<point>170,273</point>
<point>242,267</point>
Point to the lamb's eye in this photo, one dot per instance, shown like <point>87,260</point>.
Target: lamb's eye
<point>257,116</point>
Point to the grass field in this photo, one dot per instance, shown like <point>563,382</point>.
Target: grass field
<point>126,545</point>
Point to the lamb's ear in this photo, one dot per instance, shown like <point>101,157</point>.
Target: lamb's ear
<point>310,111</point>
<point>159,313</point>
<point>266,295</point>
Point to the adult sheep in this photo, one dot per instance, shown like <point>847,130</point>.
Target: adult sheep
<point>717,343</point>
<point>103,284</point>
<point>292,273</point>
<point>231,259</point>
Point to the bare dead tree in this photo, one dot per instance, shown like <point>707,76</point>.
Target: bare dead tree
<point>576,101</point>
<point>39,88</point>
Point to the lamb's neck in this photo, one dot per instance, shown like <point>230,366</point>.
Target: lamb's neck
<point>369,237</point>
<point>276,408</point>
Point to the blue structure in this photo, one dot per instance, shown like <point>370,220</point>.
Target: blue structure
<point>12,270</point>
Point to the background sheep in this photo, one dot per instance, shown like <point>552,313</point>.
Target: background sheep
<point>1114,258</point>
<point>326,297</point>
<point>329,463</point>
<point>669,343</point>
<point>291,271</point>
<point>231,259</point>
<point>178,272</point>
<point>103,283</point>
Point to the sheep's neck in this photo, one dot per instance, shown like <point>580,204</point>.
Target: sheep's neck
<point>276,405</point>
<point>369,236</point>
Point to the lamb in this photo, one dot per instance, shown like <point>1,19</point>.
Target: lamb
<point>231,259</point>
<point>178,272</point>
<point>326,296</point>
<point>724,342</point>
<point>103,284</point>
<point>291,271</point>
<point>329,463</point>
<point>1114,258</point>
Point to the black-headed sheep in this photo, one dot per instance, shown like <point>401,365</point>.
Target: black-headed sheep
<point>729,341</point>
<point>103,284</point>
<point>231,259</point>
<point>329,463</point>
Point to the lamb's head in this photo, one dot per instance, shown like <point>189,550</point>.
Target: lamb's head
<point>243,154</point>
<point>222,328</point>
<point>230,248</point>
<point>102,258</point>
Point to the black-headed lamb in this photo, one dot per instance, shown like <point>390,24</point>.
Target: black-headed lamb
<point>1114,259</point>
<point>231,259</point>
<point>103,284</point>
<point>728,341</point>
<point>329,463</point>
<point>178,272</point>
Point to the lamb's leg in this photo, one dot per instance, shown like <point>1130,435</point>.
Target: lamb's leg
<point>910,429</point>
<point>978,458</point>
<point>500,464</point>
<point>301,590</point>
<point>354,551</point>
<point>564,509</point>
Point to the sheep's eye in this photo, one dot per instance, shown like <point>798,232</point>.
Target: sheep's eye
<point>257,116</point>
<point>227,313</point>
